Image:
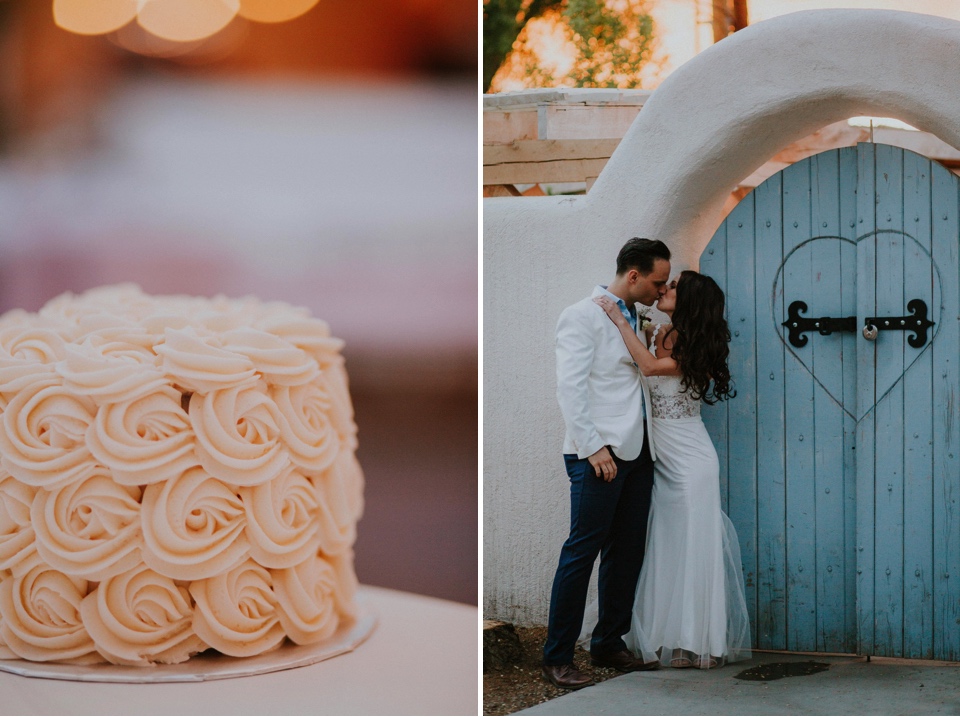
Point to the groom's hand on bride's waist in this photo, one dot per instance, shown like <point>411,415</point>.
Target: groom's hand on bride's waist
<point>604,464</point>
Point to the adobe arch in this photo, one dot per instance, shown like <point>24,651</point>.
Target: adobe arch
<point>725,112</point>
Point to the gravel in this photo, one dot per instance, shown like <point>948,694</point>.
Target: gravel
<point>521,686</point>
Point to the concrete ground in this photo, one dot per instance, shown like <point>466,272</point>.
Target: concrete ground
<point>851,686</point>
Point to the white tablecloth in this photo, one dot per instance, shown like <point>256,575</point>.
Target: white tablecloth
<point>420,660</point>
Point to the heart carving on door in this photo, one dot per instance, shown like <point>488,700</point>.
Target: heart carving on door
<point>839,256</point>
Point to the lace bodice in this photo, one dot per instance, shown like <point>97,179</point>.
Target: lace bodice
<point>668,400</point>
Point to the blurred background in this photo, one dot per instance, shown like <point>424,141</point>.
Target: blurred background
<point>320,153</point>
<point>628,44</point>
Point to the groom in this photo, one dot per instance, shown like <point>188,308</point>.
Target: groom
<point>609,458</point>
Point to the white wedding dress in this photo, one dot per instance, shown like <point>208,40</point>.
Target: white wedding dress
<point>690,596</point>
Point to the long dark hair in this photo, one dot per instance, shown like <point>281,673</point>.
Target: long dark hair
<point>701,338</point>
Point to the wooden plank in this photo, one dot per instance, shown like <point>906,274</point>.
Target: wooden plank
<point>918,426</point>
<point>891,350</point>
<point>501,190</point>
<point>798,274</point>
<point>866,362</point>
<point>922,143</point>
<point>837,134</point>
<point>507,126</point>
<point>742,410</point>
<point>572,118</point>
<point>714,261</point>
<point>536,161</point>
<point>827,352</point>
<point>559,169</point>
<point>945,225</point>
<point>607,121</point>
<point>822,353</point>
<point>770,627</point>
<point>849,343</point>
<point>547,150</point>
<point>577,170</point>
<point>763,173</point>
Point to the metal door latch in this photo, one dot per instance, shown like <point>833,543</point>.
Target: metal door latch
<point>916,322</point>
<point>798,325</point>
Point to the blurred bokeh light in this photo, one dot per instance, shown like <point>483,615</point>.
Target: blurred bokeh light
<point>274,10</point>
<point>186,20</point>
<point>93,17</point>
<point>328,160</point>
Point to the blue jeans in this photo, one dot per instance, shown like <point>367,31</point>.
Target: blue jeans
<point>609,519</point>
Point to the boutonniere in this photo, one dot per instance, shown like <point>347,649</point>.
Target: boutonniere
<point>643,320</point>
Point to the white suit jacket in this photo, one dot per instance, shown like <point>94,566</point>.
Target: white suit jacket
<point>598,385</point>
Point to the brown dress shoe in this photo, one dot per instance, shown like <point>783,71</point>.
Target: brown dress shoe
<point>623,660</point>
<point>566,677</point>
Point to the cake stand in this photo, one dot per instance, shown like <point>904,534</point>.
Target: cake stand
<point>422,658</point>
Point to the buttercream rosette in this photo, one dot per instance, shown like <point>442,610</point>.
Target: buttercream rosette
<point>89,528</point>
<point>43,434</point>
<point>282,520</point>
<point>176,474</point>
<point>238,434</point>
<point>313,597</point>
<point>40,615</point>
<point>17,537</point>
<point>193,526</point>
<point>29,348</point>
<point>237,611</point>
<point>141,617</point>
<point>146,439</point>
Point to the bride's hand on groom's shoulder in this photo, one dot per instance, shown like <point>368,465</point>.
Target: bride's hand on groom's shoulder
<point>610,307</point>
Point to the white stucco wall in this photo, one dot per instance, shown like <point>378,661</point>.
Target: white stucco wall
<point>710,124</point>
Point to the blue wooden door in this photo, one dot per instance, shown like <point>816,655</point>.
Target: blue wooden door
<point>840,457</point>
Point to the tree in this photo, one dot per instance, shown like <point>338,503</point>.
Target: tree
<point>613,42</point>
<point>611,39</point>
<point>503,20</point>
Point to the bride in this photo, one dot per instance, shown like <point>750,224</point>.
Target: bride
<point>689,609</point>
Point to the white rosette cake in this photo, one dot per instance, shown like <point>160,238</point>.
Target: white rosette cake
<point>176,474</point>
